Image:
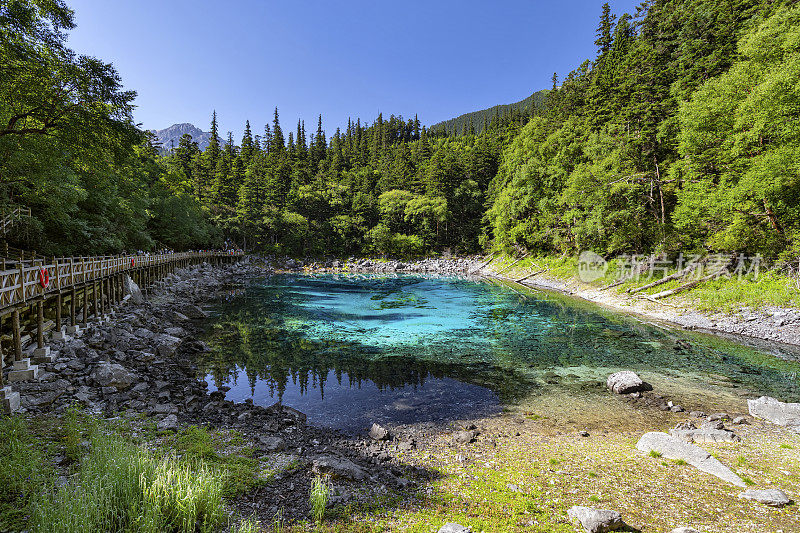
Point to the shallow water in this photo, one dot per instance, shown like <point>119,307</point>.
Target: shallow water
<point>352,350</point>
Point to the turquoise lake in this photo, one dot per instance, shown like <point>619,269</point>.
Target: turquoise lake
<point>356,349</point>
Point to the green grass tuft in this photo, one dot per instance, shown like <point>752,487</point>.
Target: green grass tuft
<point>120,487</point>
<point>318,497</point>
<point>22,475</point>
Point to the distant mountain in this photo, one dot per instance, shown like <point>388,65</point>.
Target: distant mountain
<point>456,125</point>
<point>173,134</point>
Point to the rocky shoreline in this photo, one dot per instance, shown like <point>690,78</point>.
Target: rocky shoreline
<point>143,362</point>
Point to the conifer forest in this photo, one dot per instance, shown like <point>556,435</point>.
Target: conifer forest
<point>682,132</point>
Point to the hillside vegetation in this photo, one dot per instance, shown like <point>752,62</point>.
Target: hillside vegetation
<point>480,121</point>
<point>681,134</point>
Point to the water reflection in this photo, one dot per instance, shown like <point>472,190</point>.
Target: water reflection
<point>341,349</point>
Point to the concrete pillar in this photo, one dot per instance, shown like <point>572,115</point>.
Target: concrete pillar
<point>9,400</point>
<point>23,369</point>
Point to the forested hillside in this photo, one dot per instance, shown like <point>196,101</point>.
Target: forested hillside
<point>480,121</point>
<point>681,134</point>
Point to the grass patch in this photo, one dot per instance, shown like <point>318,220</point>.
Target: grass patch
<point>114,483</point>
<point>787,447</point>
<point>249,525</point>
<point>680,462</point>
<point>318,498</point>
<point>120,487</point>
<point>23,474</point>
<point>239,471</point>
<point>723,294</point>
<point>654,454</point>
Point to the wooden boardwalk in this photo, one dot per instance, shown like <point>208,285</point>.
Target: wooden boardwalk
<point>59,286</point>
<point>22,283</point>
<point>9,219</point>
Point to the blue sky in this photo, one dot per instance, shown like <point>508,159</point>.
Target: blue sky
<point>437,59</point>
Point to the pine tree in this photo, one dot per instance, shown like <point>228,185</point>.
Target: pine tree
<point>302,148</point>
<point>278,145</point>
<point>320,144</point>
<point>605,31</point>
<point>247,143</point>
<point>267,140</point>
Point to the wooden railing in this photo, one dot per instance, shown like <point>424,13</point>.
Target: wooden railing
<point>24,282</point>
<point>8,219</point>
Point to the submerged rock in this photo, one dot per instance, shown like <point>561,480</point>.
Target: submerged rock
<point>596,520</point>
<point>775,411</point>
<point>771,497</point>
<point>626,382</point>
<point>673,448</point>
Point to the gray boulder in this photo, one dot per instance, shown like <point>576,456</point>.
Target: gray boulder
<point>108,374</point>
<point>166,345</point>
<point>596,520</point>
<point>378,432</point>
<point>626,382</point>
<point>775,411</point>
<point>771,497</point>
<point>132,289</point>
<point>176,316</point>
<point>673,448</point>
<point>452,527</point>
<point>273,444</point>
<point>684,530</point>
<point>192,311</point>
<point>168,422</point>
<point>336,467</point>
<point>705,435</point>
<point>465,437</point>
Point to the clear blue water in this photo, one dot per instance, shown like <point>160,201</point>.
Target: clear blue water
<point>352,350</point>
